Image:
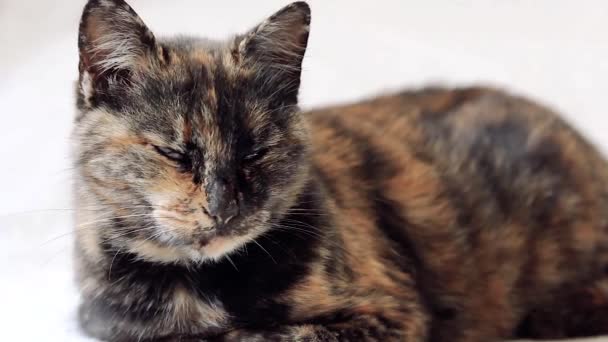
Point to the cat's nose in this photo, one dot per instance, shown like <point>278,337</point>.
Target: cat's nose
<point>221,201</point>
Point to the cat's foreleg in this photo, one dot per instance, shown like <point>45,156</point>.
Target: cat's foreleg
<point>362,328</point>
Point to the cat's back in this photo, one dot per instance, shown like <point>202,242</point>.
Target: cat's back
<point>470,184</point>
<point>491,154</point>
<point>433,115</point>
<point>476,138</point>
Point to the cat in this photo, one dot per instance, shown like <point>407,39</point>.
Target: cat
<point>211,209</point>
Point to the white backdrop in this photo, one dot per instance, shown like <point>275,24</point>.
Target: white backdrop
<point>554,51</point>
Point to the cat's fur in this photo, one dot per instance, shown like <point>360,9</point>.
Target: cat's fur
<point>210,208</point>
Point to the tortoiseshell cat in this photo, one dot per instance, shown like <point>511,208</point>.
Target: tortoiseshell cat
<point>211,209</point>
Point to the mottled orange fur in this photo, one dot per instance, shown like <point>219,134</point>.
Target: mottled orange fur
<point>216,211</point>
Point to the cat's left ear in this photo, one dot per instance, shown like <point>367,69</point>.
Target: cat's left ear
<point>275,49</point>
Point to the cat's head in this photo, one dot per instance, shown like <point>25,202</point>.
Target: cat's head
<point>188,148</point>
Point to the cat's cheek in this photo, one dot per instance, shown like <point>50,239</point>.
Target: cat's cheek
<point>165,234</point>
<point>175,197</point>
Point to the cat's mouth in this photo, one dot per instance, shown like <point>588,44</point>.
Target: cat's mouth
<point>186,241</point>
<point>173,244</point>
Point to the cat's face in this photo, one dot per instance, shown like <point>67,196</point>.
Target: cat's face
<point>189,148</point>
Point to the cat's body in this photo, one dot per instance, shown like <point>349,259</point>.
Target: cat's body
<point>211,209</point>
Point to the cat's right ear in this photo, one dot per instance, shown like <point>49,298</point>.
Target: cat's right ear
<point>114,44</point>
<point>275,49</point>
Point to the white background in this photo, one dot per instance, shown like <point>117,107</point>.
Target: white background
<point>554,51</point>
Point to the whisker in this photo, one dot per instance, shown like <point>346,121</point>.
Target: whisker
<point>90,225</point>
<point>318,236</point>
<point>303,224</point>
<point>70,210</point>
<point>230,260</point>
<point>264,249</point>
<point>112,264</point>
<point>114,218</point>
<point>278,245</point>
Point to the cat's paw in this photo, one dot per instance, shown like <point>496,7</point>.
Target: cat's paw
<point>299,333</point>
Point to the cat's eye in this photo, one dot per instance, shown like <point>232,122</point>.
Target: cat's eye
<point>257,154</point>
<point>170,153</point>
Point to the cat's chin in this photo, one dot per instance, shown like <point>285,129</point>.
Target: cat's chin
<point>214,250</point>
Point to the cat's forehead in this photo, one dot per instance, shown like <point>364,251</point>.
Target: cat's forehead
<point>196,87</point>
<point>199,99</point>
<point>193,44</point>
